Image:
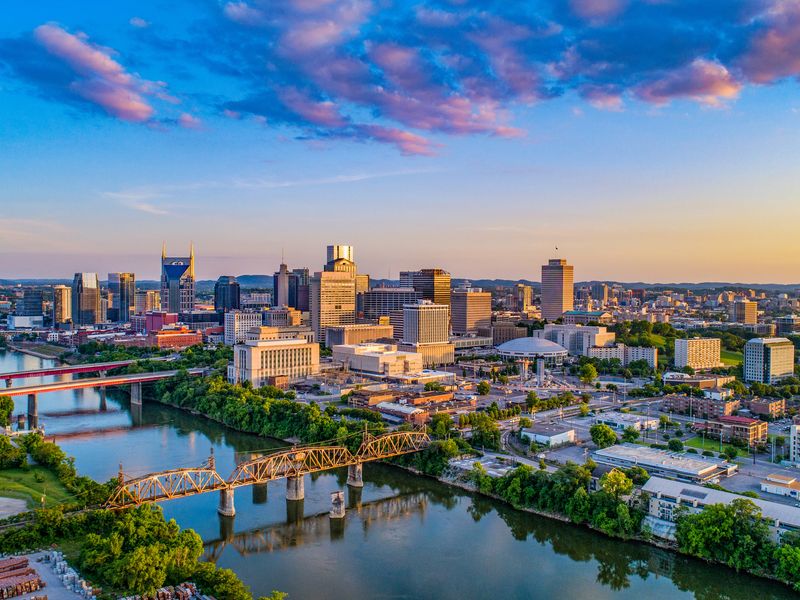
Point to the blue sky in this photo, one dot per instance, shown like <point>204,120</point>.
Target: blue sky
<point>651,140</point>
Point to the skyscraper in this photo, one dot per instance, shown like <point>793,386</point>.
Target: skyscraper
<point>147,301</point>
<point>426,328</point>
<point>337,251</point>
<point>523,297</point>
<point>303,303</point>
<point>557,289</point>
<point>62,304</point>
<point>599,292</point>
<point>85,299</point>
<point>333,300</point>
<point>744,311</point>
<point>177,282</point>
<point>123,295</point>
<point>432,284</point>
<point>31,304</point>
<point>284,287</point>
<point>471,309</point>
<point>226,294</point>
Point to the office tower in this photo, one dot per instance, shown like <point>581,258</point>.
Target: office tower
<point>147,301</point>
<point>768,360</point>
<point>282,280</point>
<point>238,323</point>
<point>787,325</point>
<point>31,304</point>
<point>523,297</point>
<point>426,328</point>
<point>337,251</point>
<point>698,353</point>
<point>599,293</point>
<point>744,311</point>
<point>557,289</point>
<point>471,309</point>
<point>177,282</point>
<point>333,300</point>
<point>302,302</point>
<point>122,300</point>
<point>227,294</point>
<point>269,359</point>
<point>362,287</point>
<point>85,299</point>
<point>62,304</point>
<point>432,284</point>
<point>383,301</point>
<point>341,264</point>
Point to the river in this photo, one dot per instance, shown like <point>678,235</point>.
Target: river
<point>404,536</point>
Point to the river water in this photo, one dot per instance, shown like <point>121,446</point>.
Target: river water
<point>403,537</point>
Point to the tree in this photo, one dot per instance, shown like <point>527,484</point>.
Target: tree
<point>616,483</point>
<point>583,409</point>
<point>675,445</point>
<point>531,401</point>
<point>730,452</point>
<point>440,426</point>
<point>630,435</point>
<point>6,408</point>
<point>579,506</point>
<point>602,435</point>
<point>434,386</point>
<point>587,373</point>
<point>485,433</point>
<point>484,388</point>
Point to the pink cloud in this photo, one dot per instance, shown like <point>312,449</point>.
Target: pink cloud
<point>598,11</point>
<point>189,121</point>
<point>242,13</point>
<point>318,113</point>
<point>601,97</point>
<point>407,142</point>
<point>774,52</point>
<point>139,22</point>
<point>101,79</point>
<point>702,80</point>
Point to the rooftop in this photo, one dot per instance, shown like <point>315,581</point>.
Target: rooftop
<point>662,459</point>
<point>531,347</point>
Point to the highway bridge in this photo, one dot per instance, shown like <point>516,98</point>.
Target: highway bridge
<point>291,464</point>
<point>135,381</point>
<point>102,368</point>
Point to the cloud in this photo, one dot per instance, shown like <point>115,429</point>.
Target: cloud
<point>702,81</point>
<point>139,23</point>
<point>188,121</point>
<point>773,53</point>
<point>146,207</point>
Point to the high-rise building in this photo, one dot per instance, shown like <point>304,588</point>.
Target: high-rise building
<point>432,284</point>
<point>303,302</point>
<point>787,325</point>
<point>333,300</point>
<point>227,294</point>
<point>62,304</point>
<point>147,301</point>
<point>383,301</point>
<point>426,329</point>
<point>744,311</point>
<point>599,293</point>
<point>698,353</point>
<point>337,251</point>
<point>523,297</point>
<point>122,288</point>
<point>471,309</point>
<point>177,282</point>
<point>85,299</point>
<point>284,287</point>
<point>31,304</point>
<point>238,323</point>
<point>557,289</point>
<point>768,360</point>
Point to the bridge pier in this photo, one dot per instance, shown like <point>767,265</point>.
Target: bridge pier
<point>103,404</point>
<point>33,411</point>
<point>226,507</point>
<point>9,382</point>
<point>355,475</point>
<point>295,488</point>
<point>259,493</point>
<point>337,505</point>
<point>136,393</point>
<point>354,497</point>
<point>295,511</point>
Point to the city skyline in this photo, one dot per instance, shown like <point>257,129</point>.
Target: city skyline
<point>638,137</point>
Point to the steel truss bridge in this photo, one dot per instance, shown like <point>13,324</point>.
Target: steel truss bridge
<point>291,464</point>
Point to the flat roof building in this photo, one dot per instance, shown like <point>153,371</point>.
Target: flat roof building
<point>619,420</point>
<point>675,465</point>
<point>768,360</point>
<point>471,308</point>
<point>377,359</point>
<point>698,353</point>
<point>549,434</point>
<point>558,295</point>
<point>262,361</point>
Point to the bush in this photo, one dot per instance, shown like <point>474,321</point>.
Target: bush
<point>675,445</point>
<point>708,453</point>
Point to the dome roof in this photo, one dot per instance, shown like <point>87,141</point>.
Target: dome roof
<point>531,346</point>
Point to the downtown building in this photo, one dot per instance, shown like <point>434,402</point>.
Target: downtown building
<point>744,311</point>
<point>177,282</point>
<point>85,299</point>
<point>471,309</point>
<point>269,356</point>
<point>431,284</point>
<point>122,296</point>
<point>238,323</point>
<point>558,292</point>
<point>227,294</point>
<point>426,328</point>
<point>147,301</point>
<point>333,292</point>
<point>698,353</point>
<point>62,304</point>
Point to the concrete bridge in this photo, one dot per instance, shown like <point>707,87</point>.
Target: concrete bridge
<point>135,381</point>
<point>102,368</point>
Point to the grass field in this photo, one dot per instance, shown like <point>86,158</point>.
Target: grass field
<point>713,445</point>
<point>22,484</point>
<point>731,358</point>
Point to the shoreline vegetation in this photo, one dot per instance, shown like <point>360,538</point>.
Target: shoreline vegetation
<point>732,535</point>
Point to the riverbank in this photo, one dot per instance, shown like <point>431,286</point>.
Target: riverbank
<point>45,351</point>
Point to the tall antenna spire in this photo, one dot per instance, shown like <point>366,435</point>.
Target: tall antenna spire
<point>283,261</point>
<point>163,249</point>
<point>191,259</point>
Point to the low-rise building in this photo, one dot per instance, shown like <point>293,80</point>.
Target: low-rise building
<point>549,434</point>
<point>586,317</point>
<point>502,332</point>
<point>402,413</point>
<point>667,496</point>
<point>781,484</point>
<point>625,354</point>
<point>377,359</point>
<point>705,408</point>
<point>703,382</point>
<point>744,429</point>
<point>675,465</point>
<point>621,421</point>
<point>174,339</point>
<point>772,408</point>
<point>345,335</point>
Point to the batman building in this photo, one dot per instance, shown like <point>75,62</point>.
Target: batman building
<point>177,282</point>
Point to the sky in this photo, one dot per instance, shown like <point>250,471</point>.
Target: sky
<point>646,140</point>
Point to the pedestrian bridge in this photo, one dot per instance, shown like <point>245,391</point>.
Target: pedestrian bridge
<point>291,464</point>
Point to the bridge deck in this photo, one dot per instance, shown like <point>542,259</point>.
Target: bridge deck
<point>82,368</point>
<point>91,382</point>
